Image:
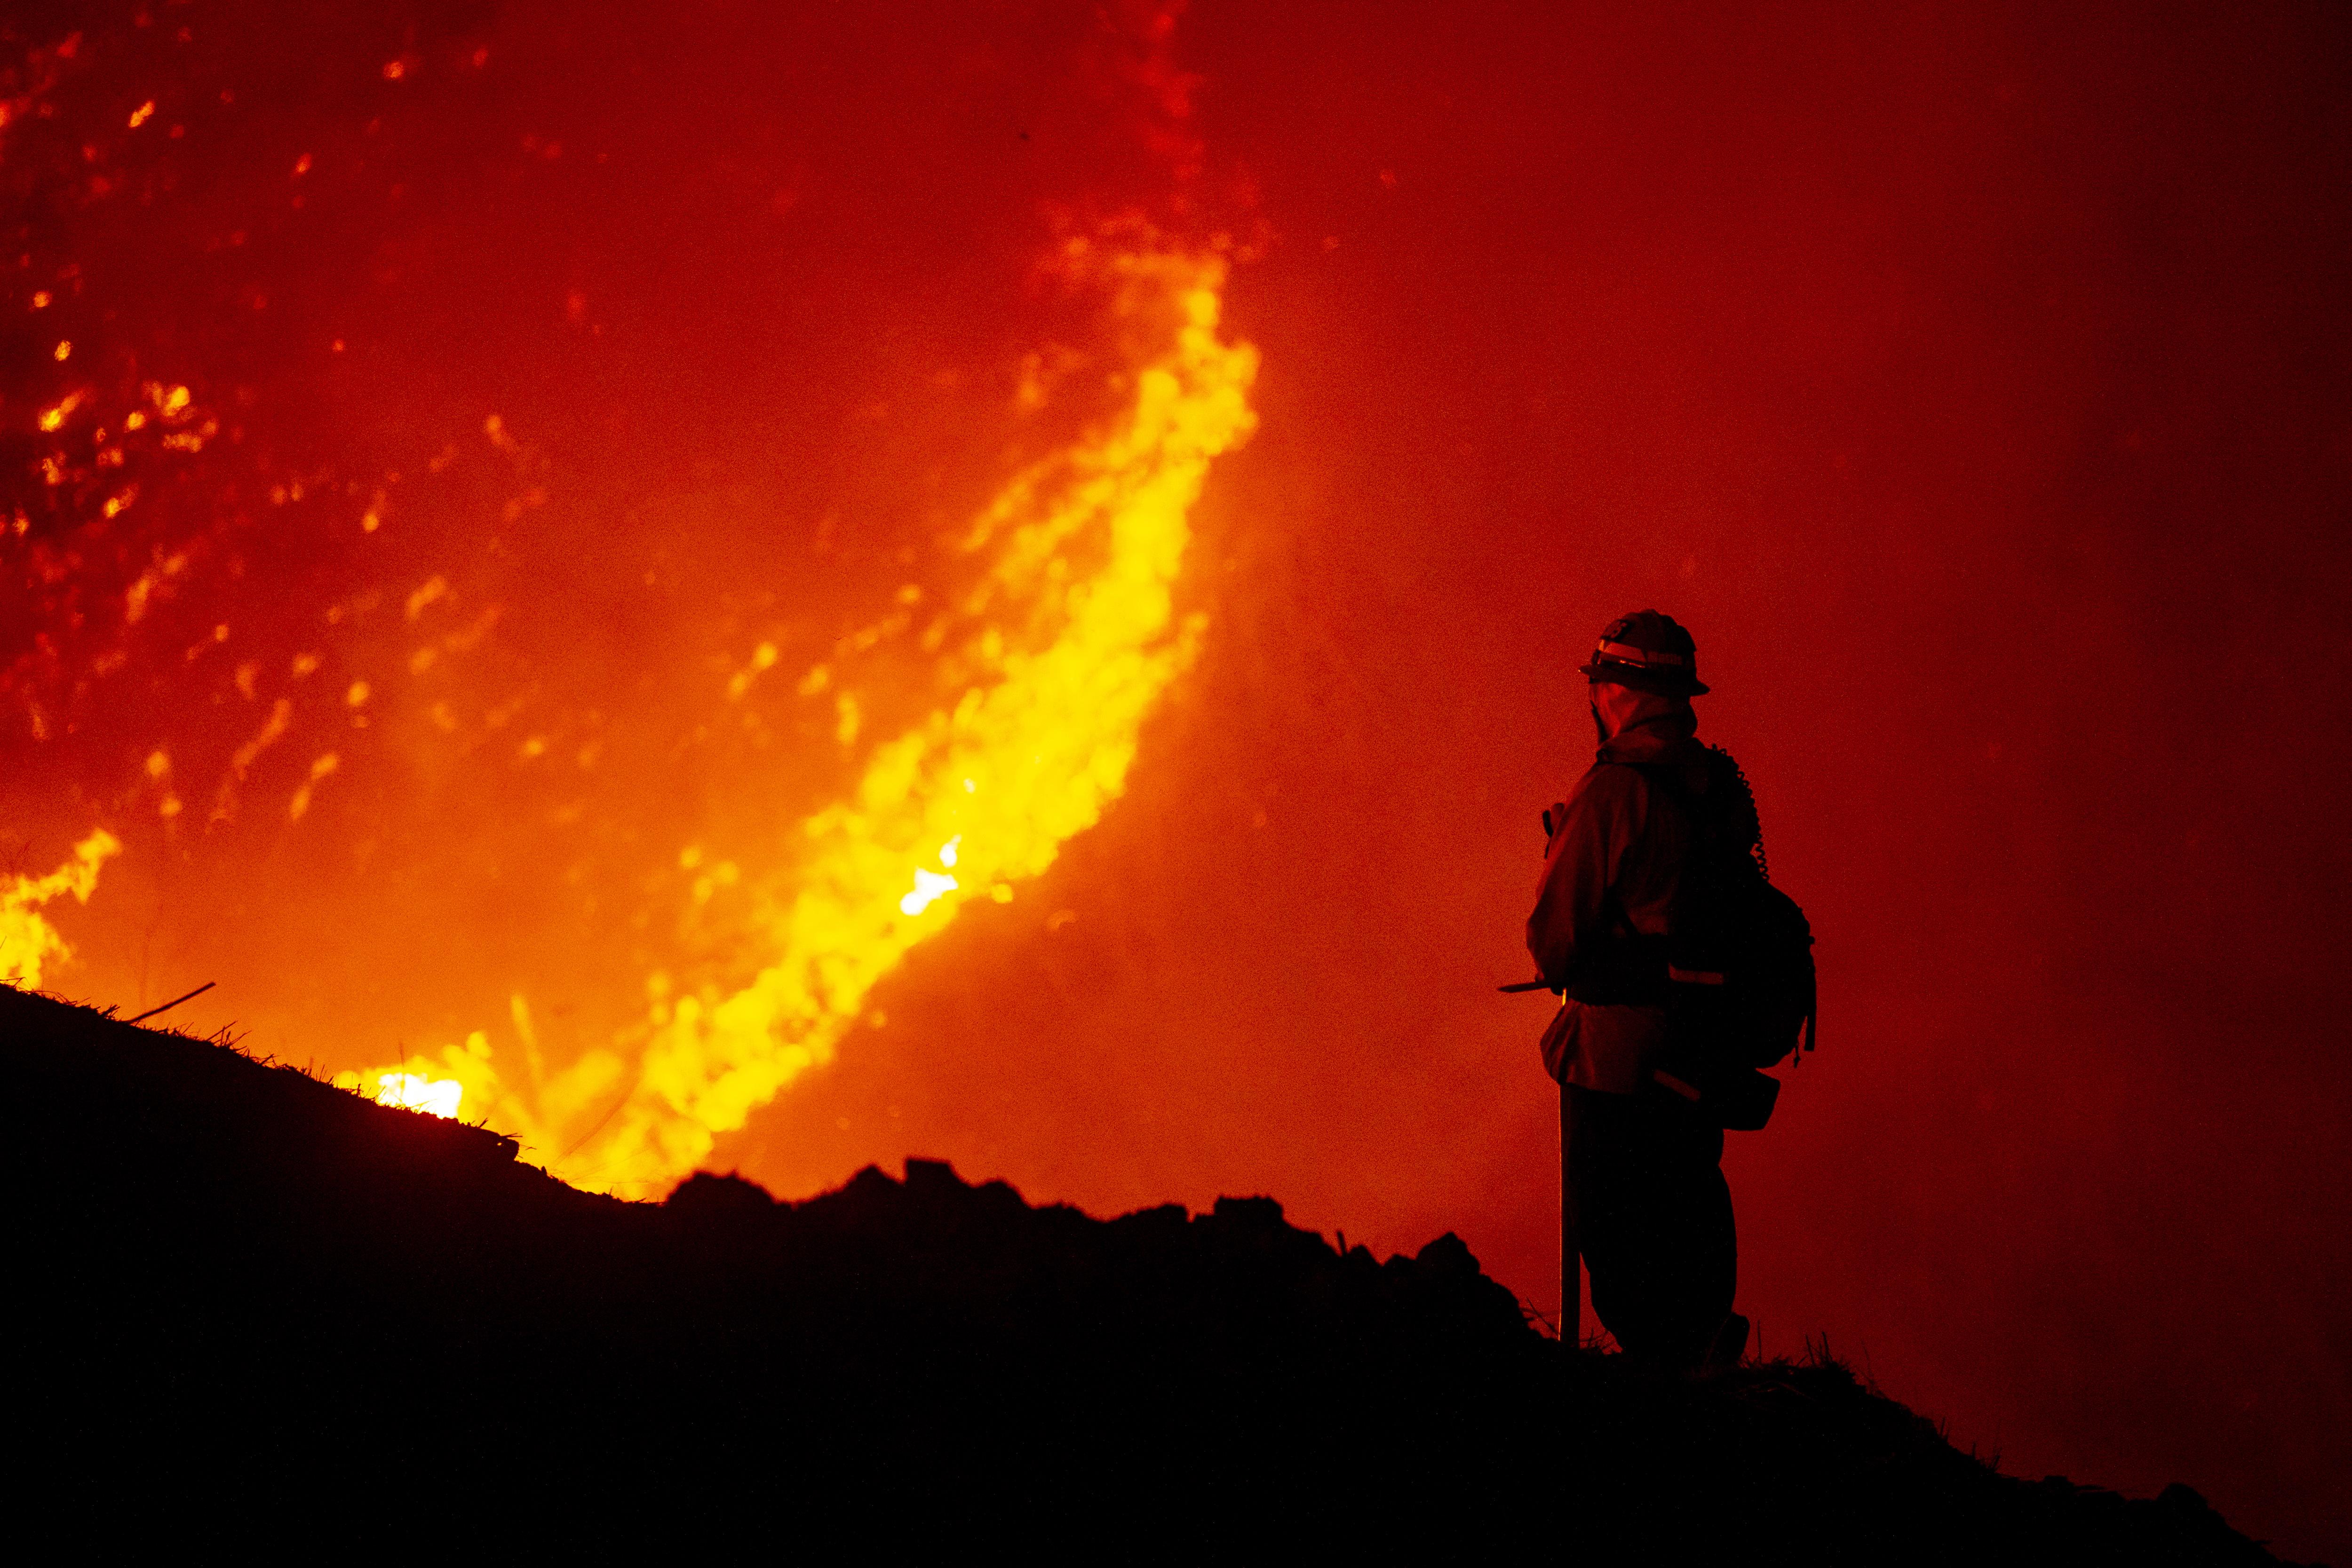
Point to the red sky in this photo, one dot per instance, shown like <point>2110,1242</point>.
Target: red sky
<point>1974,385</point>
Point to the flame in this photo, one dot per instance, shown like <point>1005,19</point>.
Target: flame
<point>1059,649</point>
<point>27,940</point>
<point>414,1090</point>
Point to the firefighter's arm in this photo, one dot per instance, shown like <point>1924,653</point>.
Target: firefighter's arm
<point>1588,843</point>
<point>1553,817</point>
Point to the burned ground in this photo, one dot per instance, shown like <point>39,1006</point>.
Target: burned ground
<point>254,1306</point>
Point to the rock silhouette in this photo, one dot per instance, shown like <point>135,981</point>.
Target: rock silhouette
<point>253,1308</point>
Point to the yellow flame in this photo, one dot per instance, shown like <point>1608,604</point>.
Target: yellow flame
<point>434,1096</point>
<point>27,940</point>
<point>1061,648</point>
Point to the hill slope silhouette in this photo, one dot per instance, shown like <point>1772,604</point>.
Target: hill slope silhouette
<point>253,1308</point>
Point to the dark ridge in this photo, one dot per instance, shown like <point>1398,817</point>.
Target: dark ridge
<point>253,1309</point>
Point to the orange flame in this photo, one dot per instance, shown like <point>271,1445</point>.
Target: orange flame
<point>1060,649</point>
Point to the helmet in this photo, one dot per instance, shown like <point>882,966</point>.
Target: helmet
<point>1648,649</point>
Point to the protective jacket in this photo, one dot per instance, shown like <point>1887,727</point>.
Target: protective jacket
<point>1609,872</point>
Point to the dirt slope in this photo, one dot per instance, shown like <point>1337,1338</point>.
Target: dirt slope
<point>253,1308</point>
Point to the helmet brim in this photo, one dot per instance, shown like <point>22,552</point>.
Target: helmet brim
<point>1665,682</point>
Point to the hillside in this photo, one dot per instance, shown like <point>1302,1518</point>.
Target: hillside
<point>255,1308</point>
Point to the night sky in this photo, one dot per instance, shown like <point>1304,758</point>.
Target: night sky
<point>1974,384</point>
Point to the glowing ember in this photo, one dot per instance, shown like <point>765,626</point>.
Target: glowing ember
<point>1058,650</point>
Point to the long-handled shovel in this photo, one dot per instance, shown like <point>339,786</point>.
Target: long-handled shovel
<point>1571,1293</point>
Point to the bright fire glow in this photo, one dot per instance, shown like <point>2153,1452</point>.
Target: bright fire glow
<point>930,886</point>
<point>435,1096</point>
<point>27,940</point>
<point>1059,649</point>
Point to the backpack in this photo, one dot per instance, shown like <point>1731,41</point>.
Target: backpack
<point>1739,954</point>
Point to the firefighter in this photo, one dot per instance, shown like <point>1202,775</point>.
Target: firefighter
<point>1644,1198</point>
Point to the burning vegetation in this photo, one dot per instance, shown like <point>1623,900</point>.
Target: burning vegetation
<point>600,641</point>
<point>1053,654</point>
<point>572,557</point>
